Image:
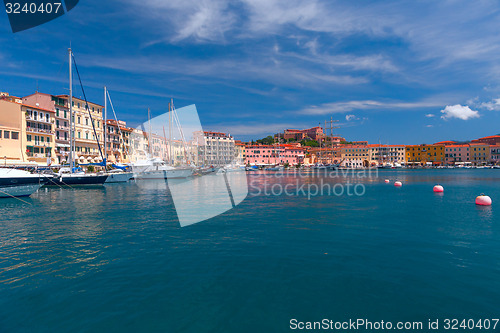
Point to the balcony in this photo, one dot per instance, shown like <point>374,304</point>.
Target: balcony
<point>39,130</point>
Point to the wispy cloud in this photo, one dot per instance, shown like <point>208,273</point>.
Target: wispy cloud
<point>458,111</point>
<point>493,105</point>
<point>430,115</point>
<point>343,107</point>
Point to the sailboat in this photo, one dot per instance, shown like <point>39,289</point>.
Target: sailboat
<point>156,168</point>
<point>75,176</point>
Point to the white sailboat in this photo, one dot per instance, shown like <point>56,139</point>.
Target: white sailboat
<point>156,168</point>
<point>71,175</point>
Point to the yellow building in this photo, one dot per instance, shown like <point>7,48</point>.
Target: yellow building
<point>240,152</point>
<point>479,153</point>
<point>425,154</point>
<point>86,147</point>
<point>12,127</point>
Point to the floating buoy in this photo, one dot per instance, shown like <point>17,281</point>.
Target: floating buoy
<point>438,189</point>
<point>483,200</point>
<point>387,181</point>
<point>398,183</point>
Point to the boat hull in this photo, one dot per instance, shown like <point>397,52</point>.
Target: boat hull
<point>24,190</point>
<point>78,180</point>
<point>164,174</point>
<point>119,177</point>
<point>15,185</point>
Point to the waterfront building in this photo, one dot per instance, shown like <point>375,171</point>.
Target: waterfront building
<point>425,154</point>
<point>240,152</point>
<point>383,154</point>
<point>457,154</point>
<point>479,153</point>
<point>325,155</point>
<point>118,141</point>
<point>60,108</point>
<point>495,154</point>
<point>40,134</point>
<point>12,133</point>
<point>355,156</point>
<point>218,148</point>
<point>86,147</point>
<point>274,154</point>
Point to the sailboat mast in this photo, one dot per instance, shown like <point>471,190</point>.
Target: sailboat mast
<point>170,132</point>
<point>150,141</point>
<point>71,132</point>
<point>105,123</point>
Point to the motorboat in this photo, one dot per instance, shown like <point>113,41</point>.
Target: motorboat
<point>158,169</point>
<point>20,183</point>
<point>118,176</point>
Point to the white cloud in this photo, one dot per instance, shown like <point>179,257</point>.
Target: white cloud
<point>430,115</point>
<point>494,105</point>
<point>429,126</point>
<point>350,117</point>
<point>459,111</point>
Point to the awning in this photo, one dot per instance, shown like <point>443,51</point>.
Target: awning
<point>64,145</point>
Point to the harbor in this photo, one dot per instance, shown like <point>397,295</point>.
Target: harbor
<point>114,256</point>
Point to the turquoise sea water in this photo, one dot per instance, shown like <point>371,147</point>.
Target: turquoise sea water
<point>114,259</point>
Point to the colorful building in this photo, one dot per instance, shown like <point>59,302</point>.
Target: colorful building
<point>479,153</point>
<point>12,134</point>
<point>457,154</point>
<point>315,133</point>
<point>425,154</point>
<point>86,146</point>
<point>387,154</point>
<point>274,154</point>
<point>490,140</point>
<point>118,141</point>
<point>495,154</point>
<point>62,130</point>
<point>355,156</point>
<point>40,135</point>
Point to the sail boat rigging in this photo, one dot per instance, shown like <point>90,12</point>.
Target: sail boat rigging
<point>73,176</point>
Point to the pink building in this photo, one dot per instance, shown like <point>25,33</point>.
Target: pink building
<point>495,154</point>
<point>279,154</point>
<point>455,153</point>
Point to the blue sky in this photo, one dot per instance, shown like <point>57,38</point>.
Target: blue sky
<point>395,72</point>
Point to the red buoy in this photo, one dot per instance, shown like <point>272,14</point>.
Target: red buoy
<point>438,189</point>
<point>483,200</point>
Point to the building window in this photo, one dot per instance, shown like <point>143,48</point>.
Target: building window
<point>79,119</point>
<point>6,134</point>
<point>28,137</point>
<point>15,135</point>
